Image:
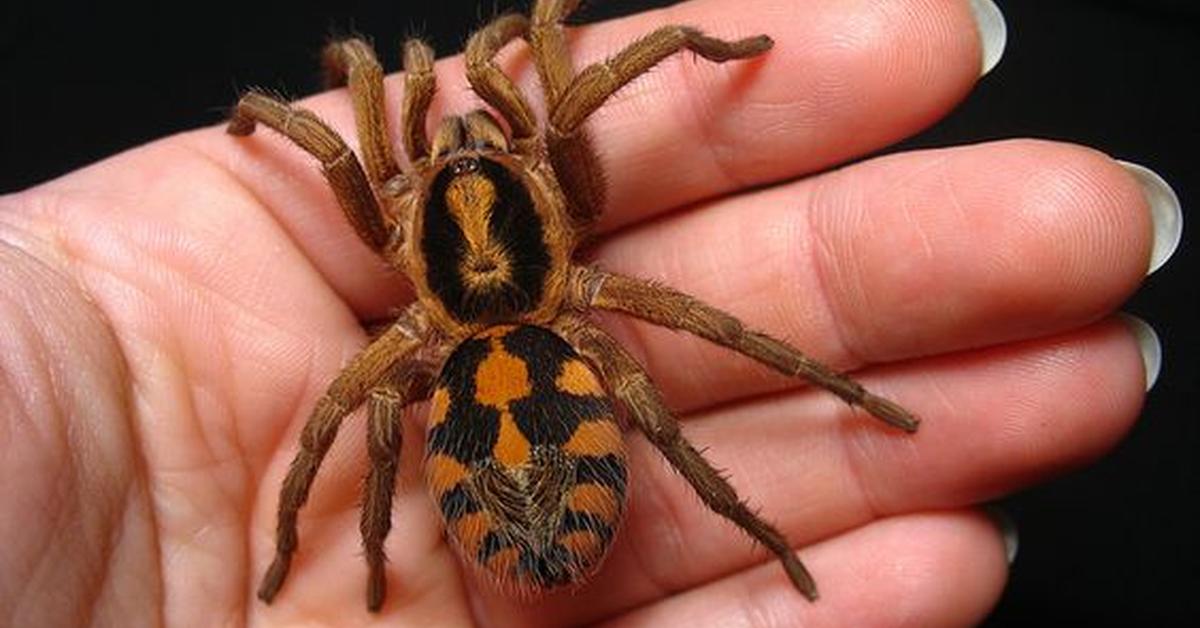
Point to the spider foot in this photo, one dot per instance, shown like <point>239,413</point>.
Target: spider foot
<point>890,412</point>
<point>240,126</point>
<point>801,579</point>
<point>273,579</point>
<point>719,50</point>
<point>376,588</point>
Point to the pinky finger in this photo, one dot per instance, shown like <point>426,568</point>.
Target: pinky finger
<point>931,569</point>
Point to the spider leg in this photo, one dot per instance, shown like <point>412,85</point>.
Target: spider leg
<point>352,62</point>
<point>492,84</point>
<point>571,155</point>
<point>419,87</point>
<point>670,308</point>
<point>597,82</point>
<point>341,167</point>
<point>632,387</point>
<point>549,44</point>
<point>386,353</point>
<point>385,406</point>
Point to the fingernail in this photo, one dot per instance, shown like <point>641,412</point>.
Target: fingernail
<point>1165,211</point>
<point>993,34</point>
<point>1149,345</point>
<point>1008,530</point>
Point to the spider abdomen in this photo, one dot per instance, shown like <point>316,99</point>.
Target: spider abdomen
<point>525,459</point>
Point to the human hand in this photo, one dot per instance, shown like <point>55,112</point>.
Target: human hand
<point>173,313</point>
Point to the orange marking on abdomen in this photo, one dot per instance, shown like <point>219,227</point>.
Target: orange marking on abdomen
<point>595,438</point>
<point>501,378</point>
<point>443,473</point>
<point>512,448</point>
<point>439,406</point>
<point>595,499</point>
<point>576,378</point>
<point>470,530</point>
<point>587,547</point>
<point>503,562</point>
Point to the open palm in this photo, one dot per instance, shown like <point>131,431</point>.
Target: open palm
<point>170,315</point>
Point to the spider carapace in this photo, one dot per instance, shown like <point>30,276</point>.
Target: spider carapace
<point>524,455</point>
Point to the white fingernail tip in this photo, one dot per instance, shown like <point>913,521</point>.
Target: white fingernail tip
<point>993,33</point>
<point>1165,211</point>
<point>1149,345</point>
<point>1008,530</point>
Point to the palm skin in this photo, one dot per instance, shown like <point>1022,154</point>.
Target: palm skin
<point>171,314</point>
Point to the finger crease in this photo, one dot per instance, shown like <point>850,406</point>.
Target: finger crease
<point>820,243</point>
<point>715,148</point>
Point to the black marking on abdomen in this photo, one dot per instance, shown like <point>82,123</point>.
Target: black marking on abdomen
<point>471,429</point>
<point>457,502</point>
<point>549,416</point>
<point>545,567</point>
<point>575,521</point>
<point>606,471</point>
<point>549,568</point>
<point>492,543</point>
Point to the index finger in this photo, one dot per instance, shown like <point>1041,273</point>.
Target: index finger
<point>843,79</point>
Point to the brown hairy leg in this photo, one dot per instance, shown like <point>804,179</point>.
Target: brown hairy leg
<point>353,63</point>
<point>341,167</point>
<point>385,409</point>
<point>549,44</point>
<point>392,351</point>
<point>670,308</point>
<point>598,81</point>
<point>571,154</point>
<point>492,85</point>
<point>419,87</point>
<point>631,386</point>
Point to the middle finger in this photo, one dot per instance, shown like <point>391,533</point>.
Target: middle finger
<point>898,257</point>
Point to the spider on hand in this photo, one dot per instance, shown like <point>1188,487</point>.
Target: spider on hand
<point>524,456</point>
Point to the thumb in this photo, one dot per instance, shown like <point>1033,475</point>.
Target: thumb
<point>72,505</point>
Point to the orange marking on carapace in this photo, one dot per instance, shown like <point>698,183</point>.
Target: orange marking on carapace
<point>443,473</point>
<point>501,378</point>
<point>512,449</point>
<point>576,378</point>
<point>595,438</point>
<point>586,546</point>
<point>498,331</point>
<point>594,499</point>
<point>470,530</point>
<point>470,199</point>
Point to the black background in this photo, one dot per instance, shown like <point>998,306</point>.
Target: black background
<point>1113,544</point>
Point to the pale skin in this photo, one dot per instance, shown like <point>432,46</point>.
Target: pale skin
<point>170,315</point>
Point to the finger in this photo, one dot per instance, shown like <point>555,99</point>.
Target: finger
<point>908,255</point>
<point>201,306</point>
<point>995,420</point>
<point>75,508</point>
<point>843,79</point>
<point>943,569</point>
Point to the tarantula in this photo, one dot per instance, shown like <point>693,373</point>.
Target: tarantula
<point>524,455</point>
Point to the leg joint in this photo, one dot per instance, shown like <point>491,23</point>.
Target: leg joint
<point>319,432</point>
